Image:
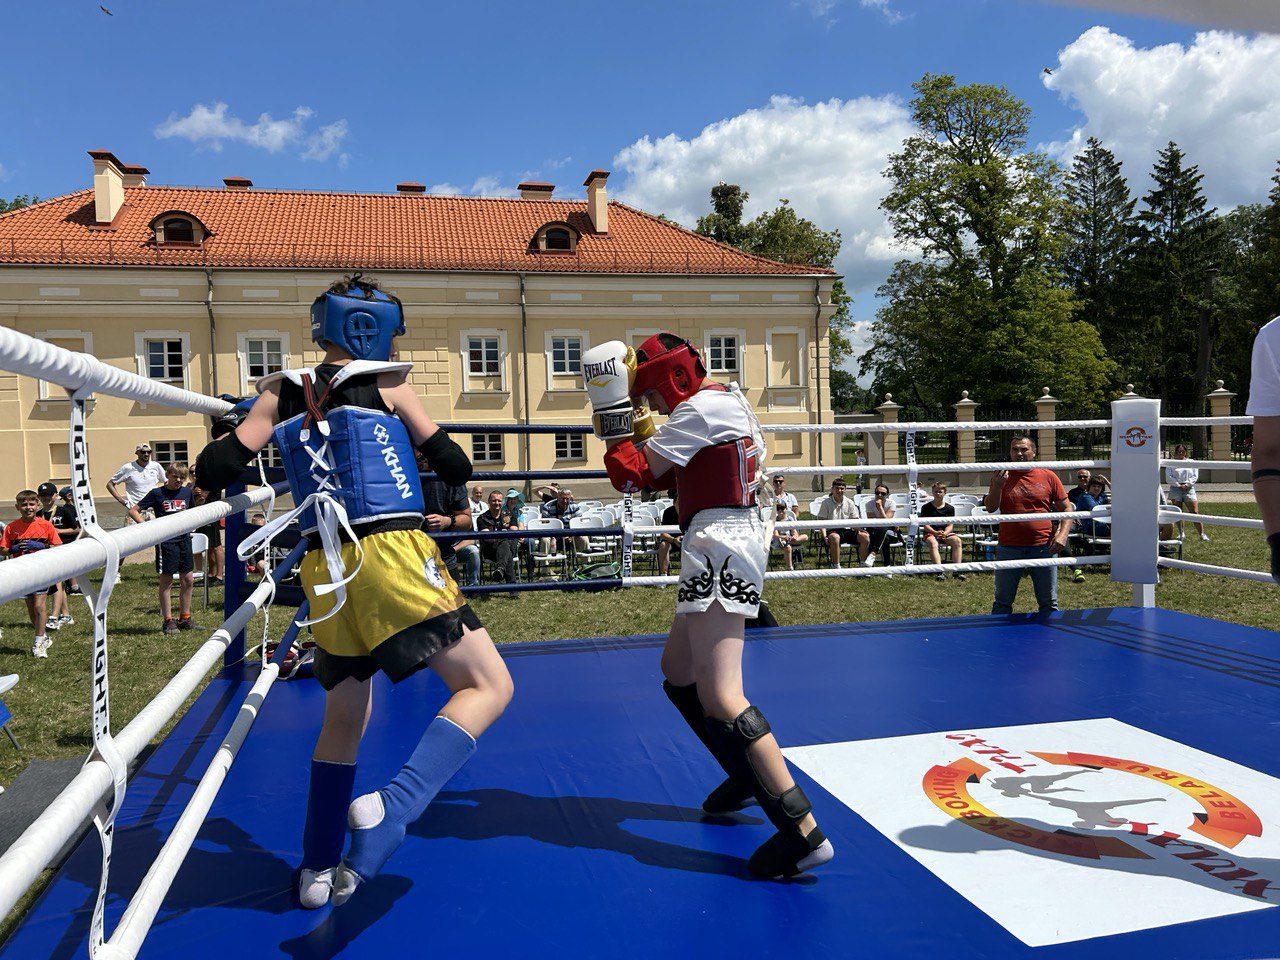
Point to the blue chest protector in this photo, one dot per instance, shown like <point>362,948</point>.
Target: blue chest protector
<point>346,466</point>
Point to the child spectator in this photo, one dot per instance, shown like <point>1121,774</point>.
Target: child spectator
<point>58,617</point>
<point>789,540</point>
<point>29,533</point>
<point>943,532</point>
<point>173,556</point>
<point>67,522</point>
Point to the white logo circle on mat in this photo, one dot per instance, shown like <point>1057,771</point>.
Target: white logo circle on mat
<point>432,571</point>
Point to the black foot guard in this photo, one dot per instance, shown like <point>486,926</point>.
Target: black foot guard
<point>729,797</point>
<point>787,854</point>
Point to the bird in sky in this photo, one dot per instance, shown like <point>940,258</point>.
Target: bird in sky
<point>105,10</point>
<point>1048,71</point>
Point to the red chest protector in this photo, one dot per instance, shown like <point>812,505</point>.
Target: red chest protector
<point>722,475</point>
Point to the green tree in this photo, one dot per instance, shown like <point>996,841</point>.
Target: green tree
<point>1177,255</point>
<point>1098,225</point>
<point>17,203</point>
<point>984,307</point>
<point>782,234</point>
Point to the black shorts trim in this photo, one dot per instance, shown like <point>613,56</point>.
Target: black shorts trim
<point>400,655</point>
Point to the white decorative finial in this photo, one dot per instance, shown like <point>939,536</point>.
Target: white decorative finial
<point>1044,391</point>
<point>888,397</point>
<point>964,394</point>
<point>1220,382</point>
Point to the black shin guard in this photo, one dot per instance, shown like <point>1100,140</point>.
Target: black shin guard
<point>732,794</point>
<point>729,742</point>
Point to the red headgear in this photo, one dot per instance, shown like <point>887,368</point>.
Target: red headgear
<point>673,372</point>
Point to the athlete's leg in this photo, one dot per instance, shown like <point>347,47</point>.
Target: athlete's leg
<point>333,773</point>
<point>482,688</point>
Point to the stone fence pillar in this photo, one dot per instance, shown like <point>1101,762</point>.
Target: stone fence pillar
<point>1220,435</point>
<point>1046,410</point>
<point>889,414</point>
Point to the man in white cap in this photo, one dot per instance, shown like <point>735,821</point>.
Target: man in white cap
<point>139,476</point>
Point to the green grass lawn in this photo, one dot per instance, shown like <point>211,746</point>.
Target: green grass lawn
<point>51,703</point>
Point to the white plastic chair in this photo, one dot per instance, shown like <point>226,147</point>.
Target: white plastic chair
<point>1175,542</point>
<point>597,547</point>
<point>645,545</point>
<point>199,547</point>
<point>545,551</point>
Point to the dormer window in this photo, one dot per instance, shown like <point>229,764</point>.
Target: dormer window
<point>177,227</point>
<point>557,237</point>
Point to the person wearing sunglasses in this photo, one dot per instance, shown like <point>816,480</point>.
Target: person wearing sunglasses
<point>783,498</point>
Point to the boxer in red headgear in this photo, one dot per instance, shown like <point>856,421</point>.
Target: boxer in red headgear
<point>711,450</point>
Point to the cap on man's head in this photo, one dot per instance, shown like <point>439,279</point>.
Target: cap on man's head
<point>64,492</point>
<point>46,489</point>
<point>141,447</point>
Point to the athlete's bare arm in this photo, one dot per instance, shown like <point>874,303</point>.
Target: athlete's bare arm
<point>401,400</point>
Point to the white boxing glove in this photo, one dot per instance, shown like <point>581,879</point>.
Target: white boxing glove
<point>608,370</point>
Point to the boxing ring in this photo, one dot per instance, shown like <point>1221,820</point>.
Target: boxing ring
<point>1089,783</point>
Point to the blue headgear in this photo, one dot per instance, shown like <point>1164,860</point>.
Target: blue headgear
<point>359,319</point>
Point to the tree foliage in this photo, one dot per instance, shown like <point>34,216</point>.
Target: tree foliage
<point>781,234</point>
<point>984,307</point>
<point>17,203</point>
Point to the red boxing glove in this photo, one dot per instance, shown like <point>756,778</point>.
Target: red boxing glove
<point>627,467</point>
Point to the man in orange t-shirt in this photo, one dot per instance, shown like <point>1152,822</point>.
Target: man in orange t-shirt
<point>1033,490</point>
<point>29,533</point>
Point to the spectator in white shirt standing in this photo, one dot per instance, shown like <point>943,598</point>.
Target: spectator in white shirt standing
<point>139,477</point>
<point>1264,407</point>
<point>1182,487</point>
<point>839,507</point>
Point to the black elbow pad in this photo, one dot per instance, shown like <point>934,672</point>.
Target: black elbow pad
<point>222,462</point>
<point>446,458</point>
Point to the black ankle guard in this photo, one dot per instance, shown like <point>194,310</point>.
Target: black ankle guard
<point>730,741</point>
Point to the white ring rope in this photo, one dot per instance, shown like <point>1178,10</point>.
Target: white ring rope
<point>80,371</point>
<point>880,469</point>
<point>1232,572</point>
<point>1206,421</point>
<point>1102,513</point>
<point>1208,464</point>
<point>35,571</point>
<point>961,426</point>
<point>1246,522</point>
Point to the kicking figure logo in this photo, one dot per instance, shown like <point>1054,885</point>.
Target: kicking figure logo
<point>431,570</point>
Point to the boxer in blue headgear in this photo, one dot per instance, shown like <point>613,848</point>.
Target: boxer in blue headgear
<point>380,596</point>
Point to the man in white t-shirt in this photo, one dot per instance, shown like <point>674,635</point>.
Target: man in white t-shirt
<point>781,496</point>
<point>839,507</point>
<point>1264,407</point>
<point>139,477</point>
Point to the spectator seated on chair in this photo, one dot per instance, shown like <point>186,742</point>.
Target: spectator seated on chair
<point>564,509</point>
<point>881,538</point>
<point>839,507</point>
<point>1076,539</point>
<point>788,541</point>
<point>1090,529</point>
<point>502,553</point>
<point>669,541</point>
<point>941,532</point>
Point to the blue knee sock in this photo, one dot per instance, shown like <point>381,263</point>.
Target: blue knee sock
<point>325,830</point>
<point>378,821</point>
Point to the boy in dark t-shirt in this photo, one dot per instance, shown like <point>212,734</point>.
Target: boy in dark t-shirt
<point>943,532</point>
<point>29,533</point>
<point>172,556</point>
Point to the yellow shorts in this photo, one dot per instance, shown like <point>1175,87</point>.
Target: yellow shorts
<point>402,607</point>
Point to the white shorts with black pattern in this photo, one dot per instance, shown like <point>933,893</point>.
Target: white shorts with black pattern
<point>723,558</point>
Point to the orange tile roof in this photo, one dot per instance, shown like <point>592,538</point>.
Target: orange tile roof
<point>294,229</point>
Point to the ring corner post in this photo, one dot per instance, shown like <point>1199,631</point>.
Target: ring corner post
<point>233,577</point>
<point>1135,476</point>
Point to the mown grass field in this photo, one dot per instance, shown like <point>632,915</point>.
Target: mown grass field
<point>51,703</point>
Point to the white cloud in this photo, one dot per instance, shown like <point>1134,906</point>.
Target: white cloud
<point>826,158</point>
<point>1232,14</point>
<point>212,126</point>
<point>1218,99</point>
<point>5,173</point>
<point>486,186</point>
<point>890,14</point>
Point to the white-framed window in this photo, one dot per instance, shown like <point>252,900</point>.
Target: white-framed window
<point>486,448</point>
<point>163,355</point>
<point>785,351</point>
<point>165,452</point>
<point>723,352</point>
<point>484,361</point>
<point>564,358</point>
<point>78,341</point>
<point>571,446</point>
<point>270,456</point>
<point>260,352</point>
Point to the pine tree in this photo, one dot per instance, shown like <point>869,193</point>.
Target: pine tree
<point>1099,230</point>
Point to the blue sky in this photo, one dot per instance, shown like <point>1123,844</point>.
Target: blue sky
<point>800,99</point>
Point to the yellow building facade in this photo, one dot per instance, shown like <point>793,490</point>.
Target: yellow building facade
<point>489,345</point>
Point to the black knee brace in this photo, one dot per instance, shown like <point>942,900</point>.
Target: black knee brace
<point>730,741</point>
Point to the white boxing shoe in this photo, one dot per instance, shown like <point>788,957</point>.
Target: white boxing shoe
<point>315,887</point>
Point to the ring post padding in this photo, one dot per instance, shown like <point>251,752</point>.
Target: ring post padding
<point>1135,477</point>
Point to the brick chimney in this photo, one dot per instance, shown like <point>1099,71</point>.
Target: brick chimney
<point>108,185</point>
<point>409,186</point>
<point>533,190</point>
<point>237,183</point>
<point>597,200</point>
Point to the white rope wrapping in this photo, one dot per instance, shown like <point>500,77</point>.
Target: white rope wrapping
<point>35,571</point>
<point>44,361</point>
<point>880,469</point>
<point>1098,513</point>
<point>1205,421</point>
<point>1248,524</point>
<point>1232,572</point>
<point>40,842</point>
